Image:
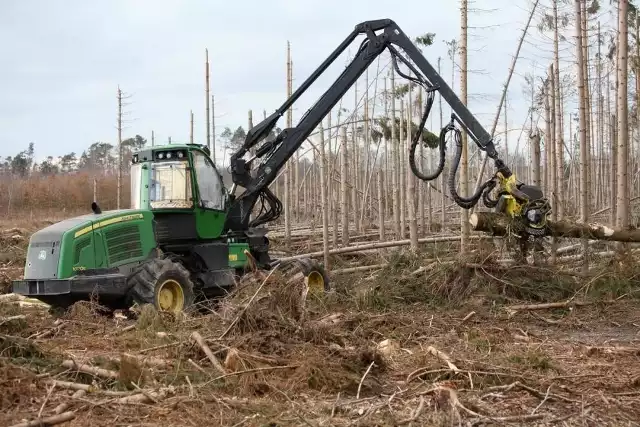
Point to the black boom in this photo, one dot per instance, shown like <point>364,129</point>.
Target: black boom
<point>380,35</point>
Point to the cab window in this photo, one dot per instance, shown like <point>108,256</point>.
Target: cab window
<point>209,182</point>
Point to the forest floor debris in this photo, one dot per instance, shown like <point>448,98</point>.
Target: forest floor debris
<point>390,348</point>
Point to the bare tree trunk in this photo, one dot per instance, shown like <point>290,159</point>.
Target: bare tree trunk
<point>584,147</point>
<point>558,149</point>
<point>614,169</point>
<point>213,130</point>
<point>600,123</point>
<point>403,176</point>
<point>324,203</point>
<point>534,142</point>
<point>333,190</point>
<point>551,151</point>
<point>623,119</point>
<point>548,137</point>
<point>552,148</point>
<point>380,206</point>
<point>633,155</point>
<point>464,163</point>
<point>191,126</point>
<point>411,190</point>
<point>443,213</point>
<point>420,184</point>
<point>506,132</point>
<point>387,155</point>
<point>206,95</point>
<point>587,100</point>
<point>355,181</point>
<point>368,193</point>
<point>344,203</point>
<point>395,174</point>
<point>287,173</point>
<point>119,172</point>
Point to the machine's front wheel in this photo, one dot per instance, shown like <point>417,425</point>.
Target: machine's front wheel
<point>163,283</point>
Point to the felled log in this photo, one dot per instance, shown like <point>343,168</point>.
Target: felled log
<point>498,225</point>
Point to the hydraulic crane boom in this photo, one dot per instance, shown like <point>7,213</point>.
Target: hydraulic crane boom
<point>380,35</point>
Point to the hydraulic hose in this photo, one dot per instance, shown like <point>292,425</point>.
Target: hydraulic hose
<point>466,203</point>
<point>442,145</point>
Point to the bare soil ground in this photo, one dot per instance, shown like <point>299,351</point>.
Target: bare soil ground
<point>450,345</point>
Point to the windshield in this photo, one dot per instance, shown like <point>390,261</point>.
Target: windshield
<point>170,186</point>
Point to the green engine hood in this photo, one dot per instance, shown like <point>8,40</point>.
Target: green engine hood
<point>88,242</point>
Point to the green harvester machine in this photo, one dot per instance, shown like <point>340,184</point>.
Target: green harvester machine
<point>170,249</point>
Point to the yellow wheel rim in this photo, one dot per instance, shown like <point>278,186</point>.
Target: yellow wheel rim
<point>315,282</point>
<point>170,296</point>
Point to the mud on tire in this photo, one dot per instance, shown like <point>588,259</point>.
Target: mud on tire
<point>145,280</point>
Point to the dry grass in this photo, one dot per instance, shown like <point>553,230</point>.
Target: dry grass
<point>40,196</point>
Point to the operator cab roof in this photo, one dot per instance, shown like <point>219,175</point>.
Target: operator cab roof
<point>167,152</point>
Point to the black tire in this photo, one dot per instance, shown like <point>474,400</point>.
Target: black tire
<point>310,266</point>
<point>146,281</point>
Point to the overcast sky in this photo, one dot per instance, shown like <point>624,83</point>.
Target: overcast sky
<point>62,61</point>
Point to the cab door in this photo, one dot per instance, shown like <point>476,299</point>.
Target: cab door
<point>210,210</point>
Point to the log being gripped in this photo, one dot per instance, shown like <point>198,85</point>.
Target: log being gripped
<point>498,224</point>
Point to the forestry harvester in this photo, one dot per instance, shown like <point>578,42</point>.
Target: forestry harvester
<point>187,236</point>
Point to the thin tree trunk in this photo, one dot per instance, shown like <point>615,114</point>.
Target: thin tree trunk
<point>191,126</point>
<point>600,124</point>
<point>387,155</point>
<point>558,174</point>
<point>464,163</point>
<point>548,136</point>
<point>381,210</point>
<point>324,204</point>
<point>553,177</point>
<point>411,190</point>
<point>623,120</point>
<point>534,142</point>
<point>584,146</point>
<point>443,213</point>
<point>206,96</point>
<point>587,99</point>
<point>403,175</point>
<point>344,203</point>
<point>394,145</point>
<point>213,131</point>
<point>355,181</point>
<point>119,148</point>
<point>287,173</point>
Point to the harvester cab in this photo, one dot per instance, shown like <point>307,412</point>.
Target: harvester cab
<point>182,183</point>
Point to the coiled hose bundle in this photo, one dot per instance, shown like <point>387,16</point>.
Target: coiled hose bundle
<point>465,203</point>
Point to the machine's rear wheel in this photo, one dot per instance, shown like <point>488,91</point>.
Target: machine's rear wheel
<point>314,274</point>
<point>163,283</point>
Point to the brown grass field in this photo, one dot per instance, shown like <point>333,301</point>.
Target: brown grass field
<point>447,345</point>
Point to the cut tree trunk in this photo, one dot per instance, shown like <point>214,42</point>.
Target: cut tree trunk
<point>499,224</point>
